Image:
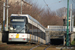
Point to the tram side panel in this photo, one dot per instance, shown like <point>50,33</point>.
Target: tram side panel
<point>42,35</point>
<point>36,35</point>
<point>29,32</point>
<point>33,33</point>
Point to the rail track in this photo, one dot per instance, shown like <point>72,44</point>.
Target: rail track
<point>22,44</point>
<point>27,46</point>
<point>36,46</point>
<point>47,47</point>
<point>40,47</point>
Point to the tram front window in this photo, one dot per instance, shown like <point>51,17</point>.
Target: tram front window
<point>17,27</point>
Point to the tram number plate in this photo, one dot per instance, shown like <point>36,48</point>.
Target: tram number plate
<point>17,35</point>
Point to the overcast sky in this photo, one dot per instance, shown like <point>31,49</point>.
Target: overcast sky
<point>54,4</point>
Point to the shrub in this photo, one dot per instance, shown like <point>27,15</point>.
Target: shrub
<point>73,42</point>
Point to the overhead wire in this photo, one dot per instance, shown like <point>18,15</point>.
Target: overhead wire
<point>46,4</point>
<point>52,3</point>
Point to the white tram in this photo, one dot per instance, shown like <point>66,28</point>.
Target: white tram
<point>24,28</point>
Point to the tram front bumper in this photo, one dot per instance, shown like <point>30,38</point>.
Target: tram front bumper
<point>17,39</point>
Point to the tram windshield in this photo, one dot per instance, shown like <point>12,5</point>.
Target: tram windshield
<point>17,26</point>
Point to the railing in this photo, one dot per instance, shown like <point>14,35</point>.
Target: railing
<point>58,28</point>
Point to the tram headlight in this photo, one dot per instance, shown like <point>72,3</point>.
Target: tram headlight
<point>11,28</point>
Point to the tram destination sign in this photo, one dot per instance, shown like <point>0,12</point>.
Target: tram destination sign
<point>18,20</point>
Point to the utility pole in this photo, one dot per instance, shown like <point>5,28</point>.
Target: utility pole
<point>4,16</point>
<point>7,16</point>
<point>21,6</point>
<point>67,41</point>
<point>71,19</point>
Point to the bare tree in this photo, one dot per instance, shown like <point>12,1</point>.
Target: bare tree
<point>50,18</point>
<point>44,16</point>
<point>61,12</point>
<point>1,11</point>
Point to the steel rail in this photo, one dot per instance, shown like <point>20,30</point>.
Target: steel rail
<point>47,47</point>
<point>36,46</point>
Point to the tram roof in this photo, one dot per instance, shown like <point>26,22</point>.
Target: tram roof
<point>28,16</point>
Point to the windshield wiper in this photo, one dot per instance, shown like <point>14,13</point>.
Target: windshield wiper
<point>20,30</point>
